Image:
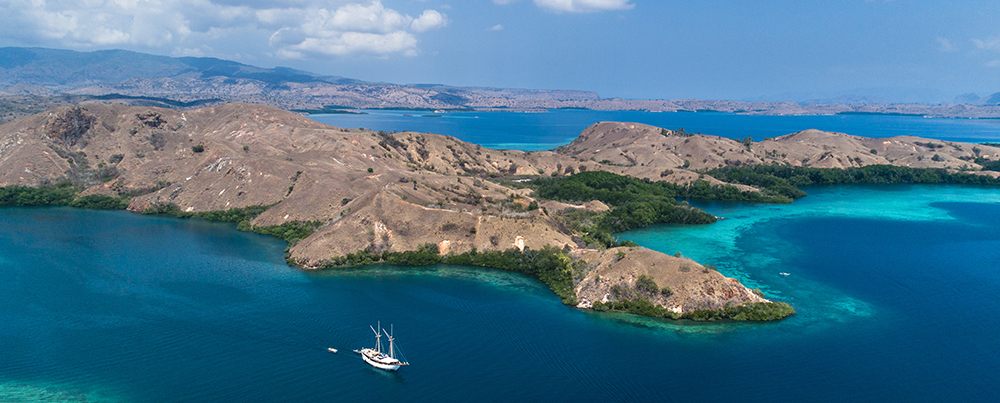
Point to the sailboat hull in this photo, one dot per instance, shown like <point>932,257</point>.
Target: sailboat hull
<point>379,365</point>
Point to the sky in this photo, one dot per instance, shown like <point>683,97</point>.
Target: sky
<point>900,50</point>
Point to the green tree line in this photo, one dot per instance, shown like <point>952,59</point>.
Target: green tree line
<point>64,193</point>
<point>291,232</point>
<point>549,265</point>
<point>785,179</point>
<point>635,202</point>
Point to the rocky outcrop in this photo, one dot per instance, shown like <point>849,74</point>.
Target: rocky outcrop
<point>692,287</point>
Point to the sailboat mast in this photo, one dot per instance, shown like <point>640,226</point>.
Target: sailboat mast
<point>392,351</point>
<point>378,337</point>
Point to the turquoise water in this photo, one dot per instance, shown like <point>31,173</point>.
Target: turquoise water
<point>543,131</point>
<point>896,288</point>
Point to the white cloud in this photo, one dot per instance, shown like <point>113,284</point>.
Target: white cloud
<point>356,42</point>
<point>429,20</point>
<point>94,23</point>
<point>993,63</point>
<point>945,45</point>
<point>359,18</point>
<point>200,51</point>
<point>497,27</point>
<point>987,44</point>
<point>583,6</point>
<point>350,29</point>
<point>294,28</point>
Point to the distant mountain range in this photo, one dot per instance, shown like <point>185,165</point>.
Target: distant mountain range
<point>35,79</point>
<point>973,99</point>
<point>63,70</point>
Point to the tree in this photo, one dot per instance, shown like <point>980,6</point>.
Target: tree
<point>646,284</point>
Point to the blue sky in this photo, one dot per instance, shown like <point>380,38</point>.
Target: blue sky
<point>902,50</point>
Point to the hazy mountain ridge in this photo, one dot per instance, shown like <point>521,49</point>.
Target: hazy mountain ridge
<point>35,79</point>
<point>62,70</point>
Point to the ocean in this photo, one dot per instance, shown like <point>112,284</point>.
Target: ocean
<point>545,131</point>
<point>896,288</point>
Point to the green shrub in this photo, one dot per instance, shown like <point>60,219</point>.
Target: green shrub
<point>638,306</point>
<point>646,284</point>
<point>291,232</point>
<point>754,311</point>
<point>549,265</point>
<point>783,179</point>
<point>61,194</point>
<point>101,202</point>
<point>163,208</point>
<point>636,202</point>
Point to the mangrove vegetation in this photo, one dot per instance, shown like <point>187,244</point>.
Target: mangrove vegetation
<point>785,179</point>
<point>549,265</point>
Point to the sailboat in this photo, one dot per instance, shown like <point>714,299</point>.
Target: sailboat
<point>376,357</point>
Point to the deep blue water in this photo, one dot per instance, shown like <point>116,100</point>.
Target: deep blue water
<point>897,290</point>
<point>543,131</point>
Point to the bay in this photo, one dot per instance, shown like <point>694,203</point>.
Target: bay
<point>548,130</point>
<point>896,289</point>
<point>114,307</point>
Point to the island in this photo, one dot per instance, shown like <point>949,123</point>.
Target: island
<point>343,197</point>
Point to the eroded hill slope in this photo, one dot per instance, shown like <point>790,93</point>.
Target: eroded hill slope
<point>392,192</point>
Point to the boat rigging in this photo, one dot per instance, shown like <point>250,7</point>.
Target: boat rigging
<point>376,357</point>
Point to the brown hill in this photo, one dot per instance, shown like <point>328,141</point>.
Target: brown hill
<point>693,286</point>
<point>403,187</point>
<point>838,150</point>
<point>646,151</point>
<point>397,191</point>
<point>375,191</point>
